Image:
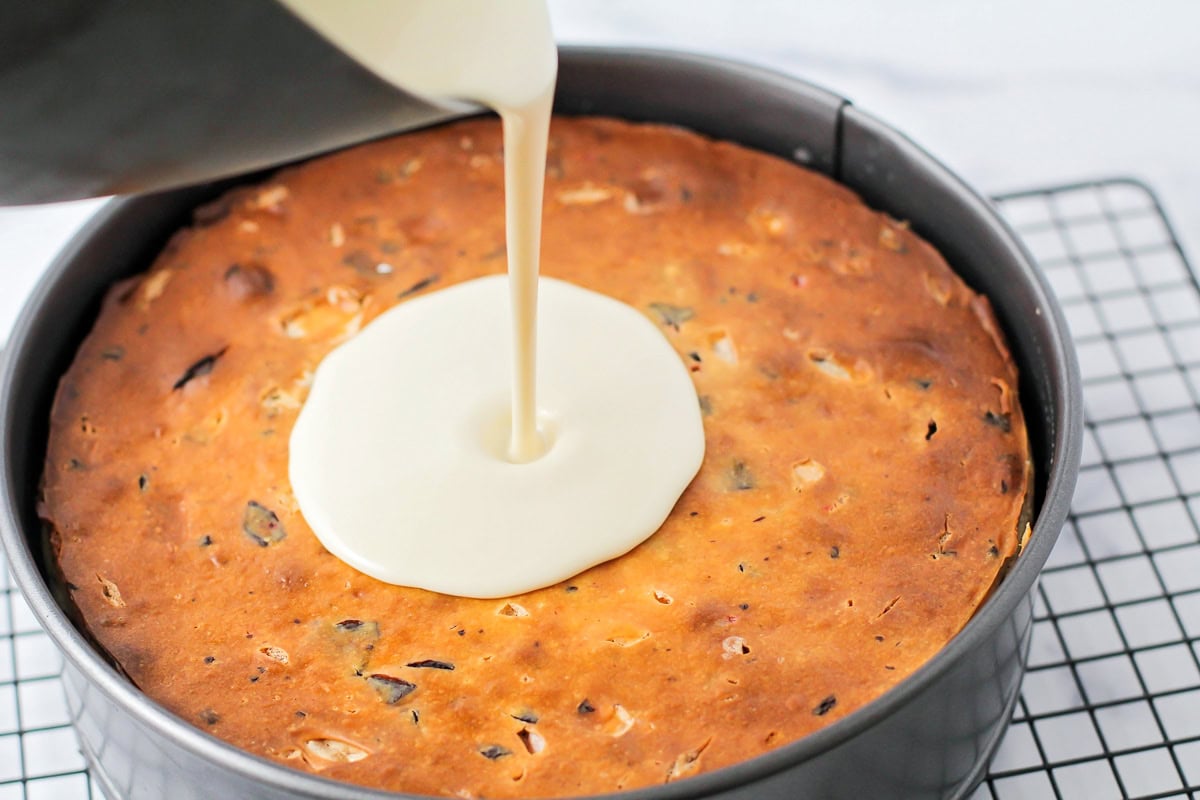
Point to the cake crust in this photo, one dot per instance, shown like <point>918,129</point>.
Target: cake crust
<point>864,480</point>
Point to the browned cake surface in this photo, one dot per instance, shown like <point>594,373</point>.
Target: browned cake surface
<point>864,477</point>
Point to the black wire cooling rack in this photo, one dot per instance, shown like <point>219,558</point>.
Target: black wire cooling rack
<point>1110,706</point>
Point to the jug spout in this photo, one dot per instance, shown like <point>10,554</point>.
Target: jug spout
<point>141,95</point>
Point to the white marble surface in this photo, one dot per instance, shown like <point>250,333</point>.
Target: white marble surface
<point>1010,95</point>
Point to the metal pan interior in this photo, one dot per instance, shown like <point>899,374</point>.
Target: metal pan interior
<point>928,737</point>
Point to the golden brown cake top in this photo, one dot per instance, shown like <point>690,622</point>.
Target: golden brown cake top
<point>865,473</point>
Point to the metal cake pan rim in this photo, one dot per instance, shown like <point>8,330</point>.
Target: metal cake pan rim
<point>999,607</point>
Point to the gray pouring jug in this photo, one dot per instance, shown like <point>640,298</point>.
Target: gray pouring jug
<point>103,97</point>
